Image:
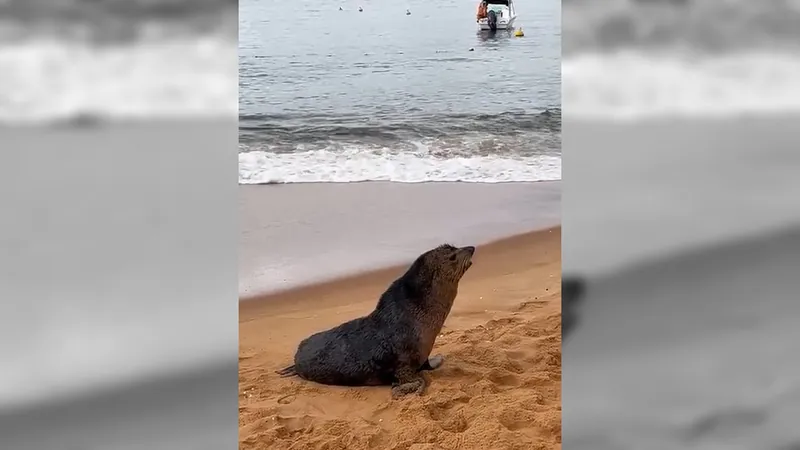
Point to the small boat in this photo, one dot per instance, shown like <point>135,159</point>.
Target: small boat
<point>500,15</point>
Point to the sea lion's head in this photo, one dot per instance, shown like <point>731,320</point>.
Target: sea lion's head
<point>446,262</point>
<point>434,275</point>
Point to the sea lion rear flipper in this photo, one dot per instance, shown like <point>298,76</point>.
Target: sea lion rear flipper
<point>287,372</point>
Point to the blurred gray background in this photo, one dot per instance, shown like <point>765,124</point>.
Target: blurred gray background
<point>681,216</point>
<point>118,268</point>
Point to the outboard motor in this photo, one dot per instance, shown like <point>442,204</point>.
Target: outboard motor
<point>491,19</point>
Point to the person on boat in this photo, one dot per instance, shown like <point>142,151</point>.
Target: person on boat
<point>482,9</point>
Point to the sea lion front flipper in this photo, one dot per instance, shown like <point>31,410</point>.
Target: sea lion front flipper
<point>432,363</point>
<point>408,381</point>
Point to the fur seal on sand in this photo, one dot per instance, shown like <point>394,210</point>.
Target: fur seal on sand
<point>393,343</point>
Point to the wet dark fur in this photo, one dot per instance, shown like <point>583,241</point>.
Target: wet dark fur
<point>392,344</point>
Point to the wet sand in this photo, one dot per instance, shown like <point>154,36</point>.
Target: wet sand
<point>500,386</point>
<point>297,234</point>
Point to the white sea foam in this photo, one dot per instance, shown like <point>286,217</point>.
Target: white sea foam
<point>631,85</point>
<point>44,80</point>
<point>352,165</point>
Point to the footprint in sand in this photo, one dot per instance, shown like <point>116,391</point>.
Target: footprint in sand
<point>531,304</point>
<point>286,399</point>
<point>503,378</point>
<point>517,354</point>
<point>455,423</point>
<point>514,420</point>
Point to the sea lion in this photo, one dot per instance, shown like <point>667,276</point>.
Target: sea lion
<point>391,345</point>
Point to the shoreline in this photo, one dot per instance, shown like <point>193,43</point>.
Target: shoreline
<point>380,272</point>
<point>254,302</point>
<point>294,235</point>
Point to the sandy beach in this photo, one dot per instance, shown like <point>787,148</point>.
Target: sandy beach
<point>500,387</point>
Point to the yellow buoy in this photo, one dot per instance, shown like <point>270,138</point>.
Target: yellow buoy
<point>519,33</point>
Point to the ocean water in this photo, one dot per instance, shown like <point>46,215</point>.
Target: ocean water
<point>342,95</point>
<point>629,60</point>
<point>95,60</point>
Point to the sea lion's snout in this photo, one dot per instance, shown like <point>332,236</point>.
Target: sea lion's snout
<point>453,260</point>
<point>470,250</point>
